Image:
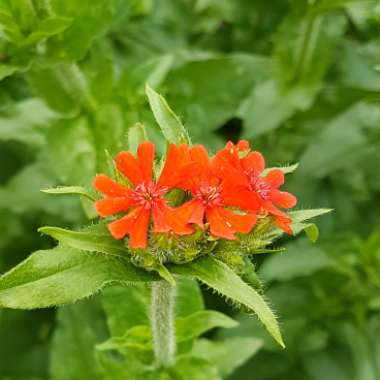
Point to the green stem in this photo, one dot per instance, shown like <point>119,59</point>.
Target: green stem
<point>162,322</point>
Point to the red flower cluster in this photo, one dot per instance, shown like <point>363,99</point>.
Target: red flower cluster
<point>232,178</point>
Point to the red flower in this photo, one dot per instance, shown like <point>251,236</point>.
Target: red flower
<point>249,189</point>
<point>146,198</point>
<point>208,200</point>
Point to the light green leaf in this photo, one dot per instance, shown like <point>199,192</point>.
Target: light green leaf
<point>227,355</point>
<point>63,275</point>
<point>70,190</point>
<point>312,232</point>
<point>95,238</point>
<point>301,215</point>
<point>136,135</point>
<point>165,274</point>
<point>220,277</point>
<point>285,169</point>
<point>47,28</point>
<point>196,324</point>
<point>170,125</point>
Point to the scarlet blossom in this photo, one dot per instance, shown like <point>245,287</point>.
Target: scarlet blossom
<point>209,200</point>
<point>249,189</point>
<point>145,198</point>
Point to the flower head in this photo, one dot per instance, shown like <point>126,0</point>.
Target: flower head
<point>145,199</point>
<point>209,201</point>
<point>243,173</point>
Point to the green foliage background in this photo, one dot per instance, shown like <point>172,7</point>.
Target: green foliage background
<point>298,78</point>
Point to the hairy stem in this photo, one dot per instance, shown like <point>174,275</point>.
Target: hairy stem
<point>162,321</point>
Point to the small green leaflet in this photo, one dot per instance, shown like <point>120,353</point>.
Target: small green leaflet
<point>225,281</point>
<point>70,190</point>
<point>285,169</point>
<point>136,135</point>
<point>170,125</point>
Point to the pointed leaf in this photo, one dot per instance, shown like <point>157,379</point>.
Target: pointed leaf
<point>165,274</point>
<point>220,277</point>
<point>70,190</point>
<point>63,275</point>
<point>301,215</point>
<point>285,169</point>
<point>170,125</point>
<point>94,239</point>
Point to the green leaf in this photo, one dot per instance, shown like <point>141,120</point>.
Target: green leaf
<point>170,125</point>
<point>70,190</point>
<point>95,238</point>
<point>63,275</point>
<point>80,327</point>
<point>47,28</point>
<point>136,135</point>
<point>227,355</point>
<point>191,368</point>
<point>285,169</point>
<point>165,274</point>
<point>312,232</point>
<point>220,277</point>
<point>196,324</point>
<point>301,215</point>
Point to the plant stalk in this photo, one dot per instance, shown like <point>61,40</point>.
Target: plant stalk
<point>162,322</point>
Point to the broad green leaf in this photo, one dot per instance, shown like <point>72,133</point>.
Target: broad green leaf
<point>80,328</point>
<point>136,135</point>
<point>221,278</point>
<point>95,238</point>
<point>170,124</point>
<point>196,324</point>
<point>70,190</point>
<point>63,275</point>
<point>227,355</point>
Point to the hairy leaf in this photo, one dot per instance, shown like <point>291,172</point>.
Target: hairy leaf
<point>220,277</point>
<point>63,275</point>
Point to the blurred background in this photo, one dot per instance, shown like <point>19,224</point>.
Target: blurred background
<point>299,79</point>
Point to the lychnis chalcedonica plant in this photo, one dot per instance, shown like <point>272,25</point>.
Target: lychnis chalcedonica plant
<point>166,224</point>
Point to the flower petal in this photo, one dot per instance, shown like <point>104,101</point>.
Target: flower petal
<point>178,221</point>
<point>109,187</point>
<point>110,206</point>
<point>129,166</point>
<point>275,178</point>
<point>238,222</point>
<point>159,220</point>
<point>138,236</point>
<point>253,161</point>
<point>283,199</point>
<point>145,153</point>
<point>218,225</point>
<point>121,227</point>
